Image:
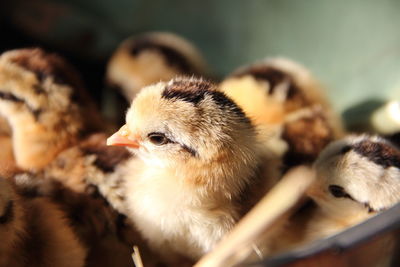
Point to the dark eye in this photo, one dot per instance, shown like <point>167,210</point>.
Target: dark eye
<point>158,138</point>
<point>338,191</point>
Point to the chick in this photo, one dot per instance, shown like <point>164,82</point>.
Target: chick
<point>52,135</point>
<point>152,57</point>
<point>357,177</point>
<point>196,167</point>
<point>35,232</point>
<point>288,107</point>
<point>45,104</point>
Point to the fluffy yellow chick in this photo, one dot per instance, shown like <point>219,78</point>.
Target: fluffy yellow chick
<point>35,232</point>
<point>45,104</point>
<point>288,107</point>
<point>152,57</point>
<point>196,170</point>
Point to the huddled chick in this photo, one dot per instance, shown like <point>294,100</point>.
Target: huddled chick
<point>287,105</point>
<point>197,170</point>
<point>152,57</point>
<point>35,232</point>
<point>357,177</point>
<point>45,104</point>
<point>52,123</point>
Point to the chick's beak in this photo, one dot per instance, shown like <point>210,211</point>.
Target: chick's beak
<point>122,138</point>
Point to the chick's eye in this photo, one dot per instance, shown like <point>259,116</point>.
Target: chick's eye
<point>337,191</point>
<point>158,139</point>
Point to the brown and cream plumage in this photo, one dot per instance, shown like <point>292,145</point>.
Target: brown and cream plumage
<point>288,106</point>
<point>53,142</point>
<point>152,57</point>
<point>35,232</point>
<point>45,105</point>
<point>197,168</point>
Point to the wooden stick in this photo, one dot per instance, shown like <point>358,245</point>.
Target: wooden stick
<point>239,242</point>
<point>137,260</point>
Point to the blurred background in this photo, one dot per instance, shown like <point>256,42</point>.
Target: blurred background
<point>352,46</point>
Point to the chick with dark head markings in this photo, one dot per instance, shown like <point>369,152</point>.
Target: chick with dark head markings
<point>52,129</point>
<point>197,169</point>
<point>44,102</point>
<point>152,57</point>
<point>288,107</point>
<point>356,178</point>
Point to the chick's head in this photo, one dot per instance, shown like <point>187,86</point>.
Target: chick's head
<point>151,57</point>
<point>358,174</point>
<point>186,119</point>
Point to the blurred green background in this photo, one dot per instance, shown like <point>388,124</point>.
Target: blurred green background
<point>352,47</point>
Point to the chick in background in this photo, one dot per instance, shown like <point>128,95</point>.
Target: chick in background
<point>152,57</point>
<point>288,107</point>
<point>52,123</point>
<point>45,105</point>
<point>356,178</point>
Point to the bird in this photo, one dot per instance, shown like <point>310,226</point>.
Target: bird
<point>45,105</point>
<point>151,57</point>
<point>357,177</point>
<point>35,232</point>
<point>58,138</point>
<point>196,166</point>
<point>287,104</point>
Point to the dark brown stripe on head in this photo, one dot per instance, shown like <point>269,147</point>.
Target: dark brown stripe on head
<point>8,214</point>
<point>45,65</point>
<point>172,57</point>
<point>195,90</point>
<point>11,97</point>
<point>272,75</point>
<point>380,153</point>
<point>190,90</point>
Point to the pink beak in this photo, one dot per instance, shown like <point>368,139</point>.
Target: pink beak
<point>122,138</point>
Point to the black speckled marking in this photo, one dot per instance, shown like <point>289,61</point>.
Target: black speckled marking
<point>173,58</point>
<point>379,153</point>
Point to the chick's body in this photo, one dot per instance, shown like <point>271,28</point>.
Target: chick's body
<point>35,232</point>
<point>196,165</point>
